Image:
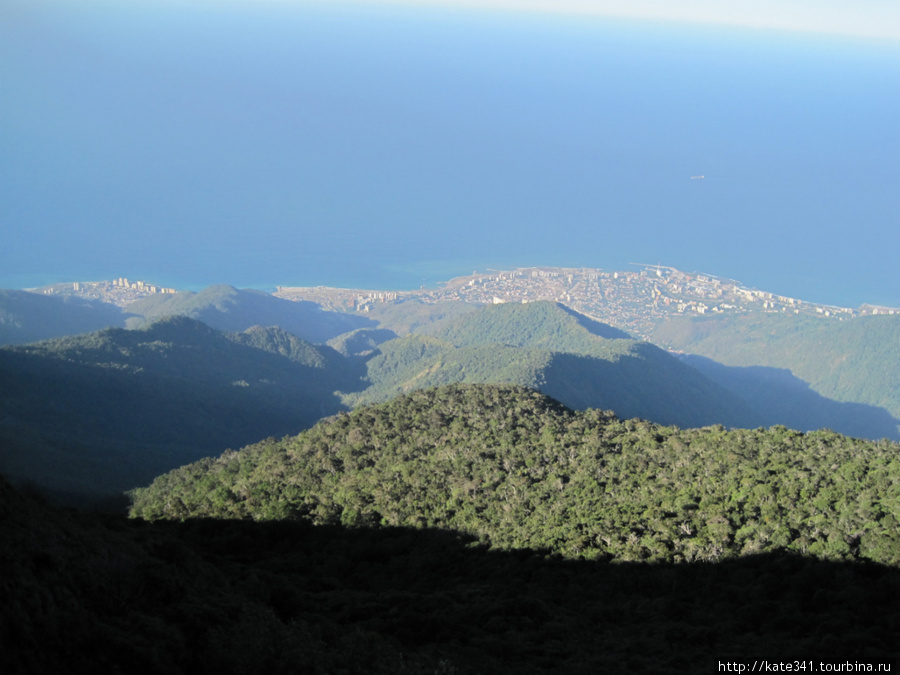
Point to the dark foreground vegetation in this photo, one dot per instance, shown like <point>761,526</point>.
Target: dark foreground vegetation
<point>82,593</point>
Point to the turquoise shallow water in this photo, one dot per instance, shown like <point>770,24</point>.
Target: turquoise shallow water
<point>376,147</point>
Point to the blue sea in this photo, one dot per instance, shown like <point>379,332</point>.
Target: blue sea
<point>391,146</point>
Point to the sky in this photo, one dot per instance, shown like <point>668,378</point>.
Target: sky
<point>863,18</point>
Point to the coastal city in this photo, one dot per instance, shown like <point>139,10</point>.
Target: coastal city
<point>635,300</point>
<point>120,292</point>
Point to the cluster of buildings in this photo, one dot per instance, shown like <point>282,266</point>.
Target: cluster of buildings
<point>119,291</point>
<point>340,299</point>
<point>636,301</point>
<point>122,282</point>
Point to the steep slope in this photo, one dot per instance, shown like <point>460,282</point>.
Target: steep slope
<point>230,309</point>
<point>361,342</point>
<point>29,317</point>
<point>547,325</point>
<point>546,346</point>
<point>103,412</point>
<point>782,398</point>
<point>411,315</point>
<point>519,470</point>
<point>856,360</point>
<point>189,349</point>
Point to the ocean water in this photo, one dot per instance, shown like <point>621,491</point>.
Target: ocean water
<point>393,147</point>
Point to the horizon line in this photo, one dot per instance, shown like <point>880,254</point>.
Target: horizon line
<point>874,19</point>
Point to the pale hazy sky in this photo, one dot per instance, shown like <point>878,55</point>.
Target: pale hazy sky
<point>866,18</point>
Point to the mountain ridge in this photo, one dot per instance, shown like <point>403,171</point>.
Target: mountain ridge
<point>849,361</point>
<point>230,309</point>
<point>549,347</point>
<point>117,407</point>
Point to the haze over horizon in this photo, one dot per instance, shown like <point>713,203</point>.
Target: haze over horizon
<point>865,18</point>
<point>390,144</point>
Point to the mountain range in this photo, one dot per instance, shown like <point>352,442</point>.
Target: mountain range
<point>103,412</point>
<point>581,362</point>
<point>507,488</point>
<point>30,317</point>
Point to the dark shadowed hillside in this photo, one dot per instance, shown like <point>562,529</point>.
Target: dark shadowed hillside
<point>103,412</point>
<point>856,360</point>
<point>781,398</point>
<point>230,309</point>
<point>361,342</point>
<point>29,317</point>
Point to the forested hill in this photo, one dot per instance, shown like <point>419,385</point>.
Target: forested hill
<point>518,470</point>
<point>549,325</point>
<point>231,309</point>
<point>267,360</point>
<point>29,317</point>
<point>548,347</point>
<point>102,412</point>
<point>856,360</point>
